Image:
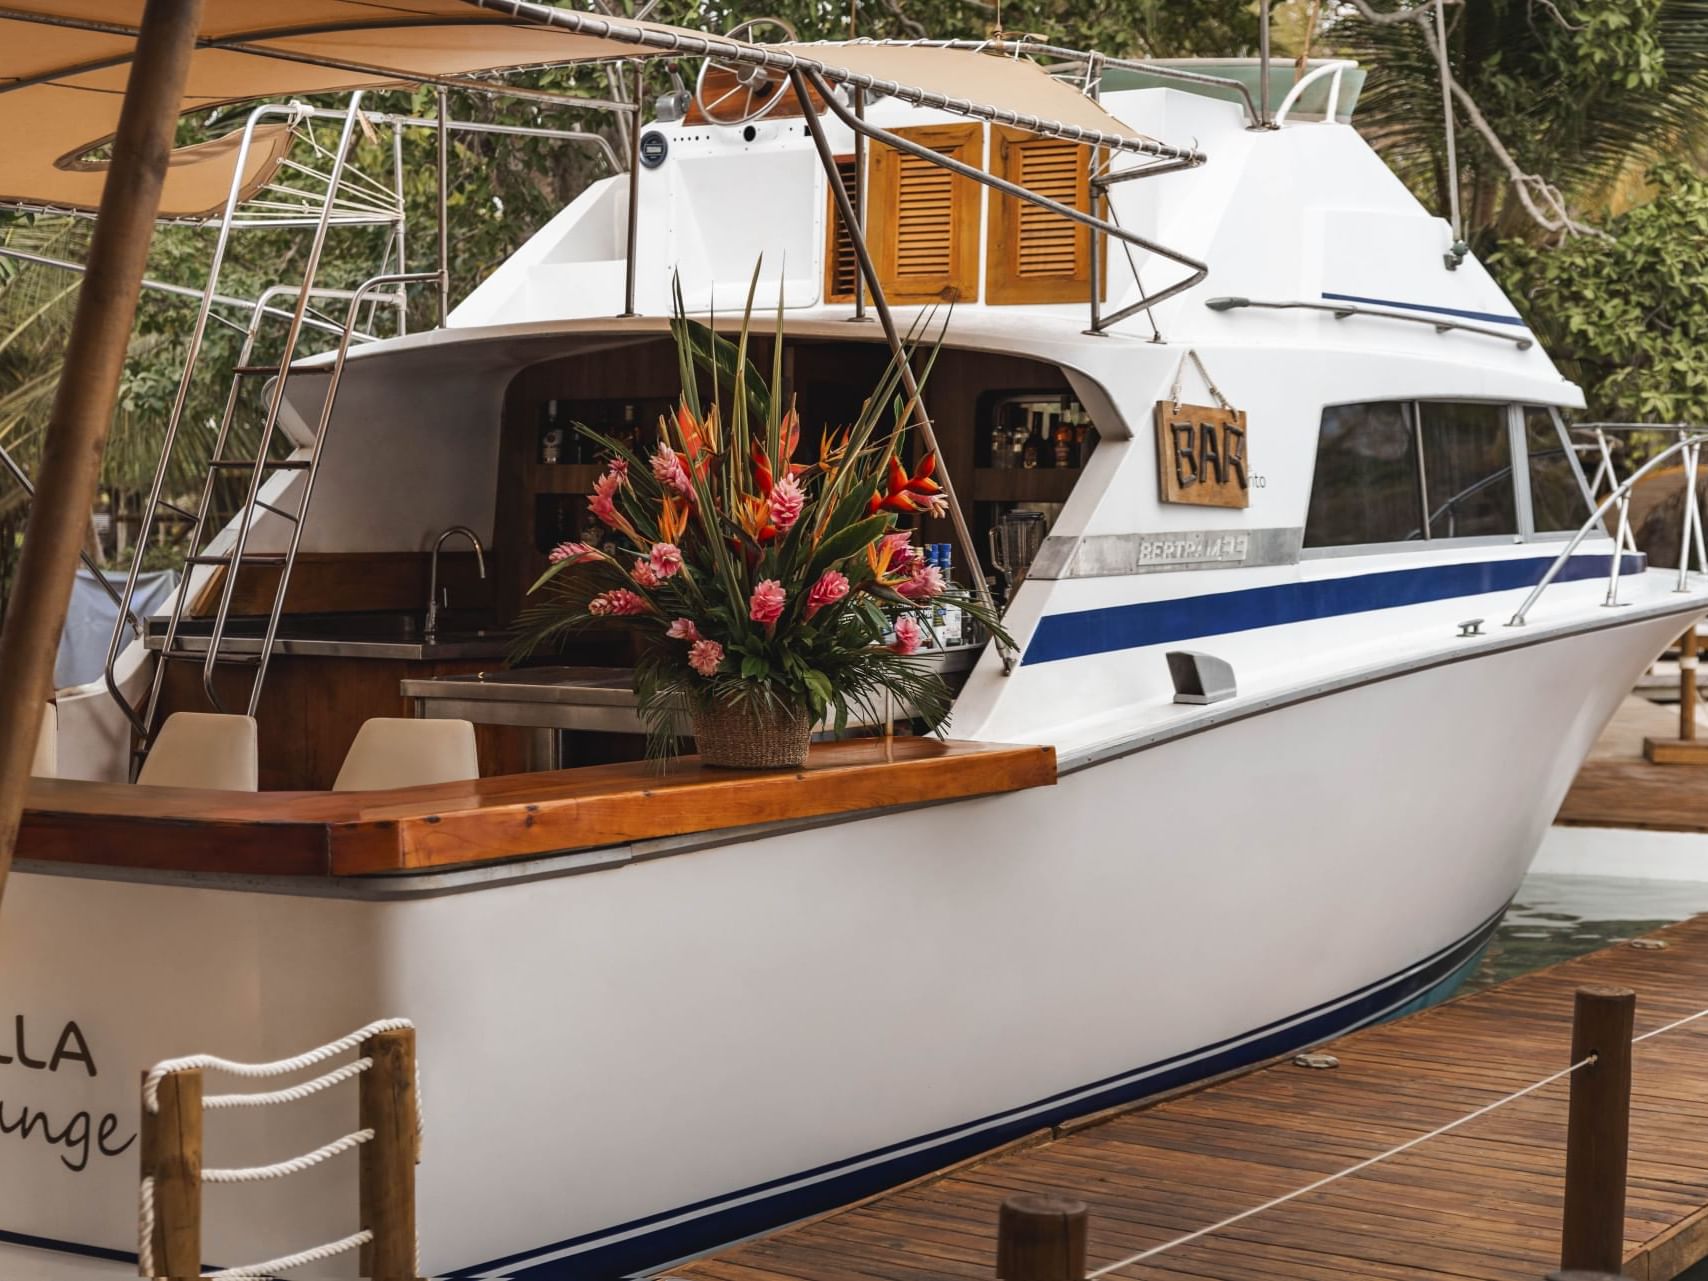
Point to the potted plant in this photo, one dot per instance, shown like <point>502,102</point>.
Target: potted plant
<point>769,593</point>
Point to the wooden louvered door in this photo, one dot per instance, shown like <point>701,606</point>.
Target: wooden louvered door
<point>1037,256</point>
<point>841,267</point>
<point>924,226</point>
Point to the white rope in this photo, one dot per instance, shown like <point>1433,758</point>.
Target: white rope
<point>1668,1027</point>
<point>292,1093</point>
<point>1323,1182</point>
<point>279,1067</point>
<point>330,1250</point>
<point>295,1165</point>
<point>145,1228</point>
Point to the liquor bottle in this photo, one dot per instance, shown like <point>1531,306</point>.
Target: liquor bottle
<point>629,436</point>
<point>1035,452</point>
<point>1001,455</point>
<point>1062,442</point>
<point>551,433</point>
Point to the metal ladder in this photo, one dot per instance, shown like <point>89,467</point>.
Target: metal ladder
<point>260,466</point>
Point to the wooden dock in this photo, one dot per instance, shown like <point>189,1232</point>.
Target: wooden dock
<point>1617,787</point>
<point>1481,1202</point>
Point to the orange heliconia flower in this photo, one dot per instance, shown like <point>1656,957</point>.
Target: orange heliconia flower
<point>908,494</point>
<point>884,558</point>
<point>672,520</point>
<point>755,519</point>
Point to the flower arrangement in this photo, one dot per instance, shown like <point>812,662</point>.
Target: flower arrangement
<point>771,591</point>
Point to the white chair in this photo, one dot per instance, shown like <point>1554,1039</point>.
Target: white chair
<point>204,749</point>
<point>46,762</point>
<point>394,751</point>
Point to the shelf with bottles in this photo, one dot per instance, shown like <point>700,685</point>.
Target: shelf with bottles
<point>557,443</point>
<point>1021,431</point>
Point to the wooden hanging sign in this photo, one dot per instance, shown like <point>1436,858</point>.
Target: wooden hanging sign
<point>1201,455</point>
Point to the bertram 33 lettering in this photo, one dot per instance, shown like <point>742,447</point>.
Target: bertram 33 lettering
<point>1201,455</point>
<point>81,1135</point>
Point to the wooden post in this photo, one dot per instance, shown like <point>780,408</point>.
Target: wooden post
<point>1685,749</point>
<point>88,386</point>
<point>1687,685</point>
<point>1585,1276</point>
<point>1040,1238</point>
<point>1592,1236</point>
<point>388,1108</point>
<point>172,1157</point>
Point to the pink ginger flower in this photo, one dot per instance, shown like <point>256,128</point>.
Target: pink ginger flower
<point>787,500</point>
<point>608,484</point>
<point>683,629</point>
<point>902,552</point>
<point>667,468</point>
<point>908,635</point>
<point>574,553</point>
<point>616,603</point>
<point>705,657</point>
<point>643,573</point>
<point>925,582</point>
<point>620,469</point>
<point>666,560</point>
<point>830,588</point>
<point>766,604</point>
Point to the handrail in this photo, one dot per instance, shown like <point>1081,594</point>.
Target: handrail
<point>177,291</point>
<point>23,478</point>
<point>402,278</point>
<point>1335,70</point>
<point>1690,538</point>
<point>1342,310</point>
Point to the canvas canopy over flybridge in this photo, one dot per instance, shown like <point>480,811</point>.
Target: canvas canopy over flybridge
<point>64,64</point>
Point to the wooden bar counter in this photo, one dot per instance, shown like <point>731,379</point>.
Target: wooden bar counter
<point>449,825</point>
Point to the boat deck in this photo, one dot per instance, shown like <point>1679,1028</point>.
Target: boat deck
<point>449,825</point>
<point>1481,1202</point>
<point>1617,787</point>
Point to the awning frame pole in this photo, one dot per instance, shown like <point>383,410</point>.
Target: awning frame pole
<point>441,201</point>
<point>860,196</point>
<point>76,435</point>
<point>880,305</point>
<point>629,264</point>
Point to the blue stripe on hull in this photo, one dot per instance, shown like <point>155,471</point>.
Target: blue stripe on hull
<point>662,1238</point>
<point>1163,622</point>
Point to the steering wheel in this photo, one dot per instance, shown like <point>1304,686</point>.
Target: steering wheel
<point>735,93</point>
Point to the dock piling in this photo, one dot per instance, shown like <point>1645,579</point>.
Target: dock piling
<point>387,1106</point>
<point>1041,1238</point>
<point>1592,1234</point>
<point>172,1158</point>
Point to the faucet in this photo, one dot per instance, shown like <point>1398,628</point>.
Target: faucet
<point>429,630</point>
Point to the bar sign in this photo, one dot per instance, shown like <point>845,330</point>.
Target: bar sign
<point>1201,457</point>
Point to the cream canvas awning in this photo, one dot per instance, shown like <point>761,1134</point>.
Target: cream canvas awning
<point>64,64</point>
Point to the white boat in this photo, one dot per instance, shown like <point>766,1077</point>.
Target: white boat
<point>634,1051</point>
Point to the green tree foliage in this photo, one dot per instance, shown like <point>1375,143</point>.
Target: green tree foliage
<point>1578,91</point>
<point>1626,318</point>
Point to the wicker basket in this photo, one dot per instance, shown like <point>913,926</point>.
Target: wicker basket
<point>752,734</point>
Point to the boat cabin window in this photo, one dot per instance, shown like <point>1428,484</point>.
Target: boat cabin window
<point>1404,471</point>
<point>1556,487</point>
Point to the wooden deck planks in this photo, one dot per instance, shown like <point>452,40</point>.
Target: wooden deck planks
<point>1482,1202</point>
<point>1635,793</point>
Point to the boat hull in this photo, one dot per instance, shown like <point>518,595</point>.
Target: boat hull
<point>625,1066</point>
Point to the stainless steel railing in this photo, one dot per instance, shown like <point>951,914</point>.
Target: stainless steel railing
<point>1689,447</point>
